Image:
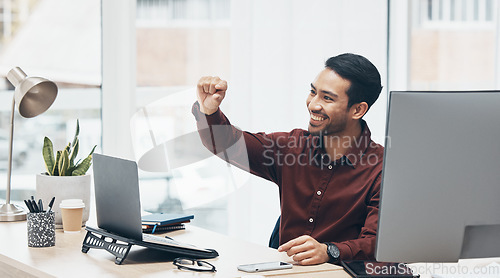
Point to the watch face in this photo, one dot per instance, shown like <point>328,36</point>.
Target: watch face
<point>333,251</point>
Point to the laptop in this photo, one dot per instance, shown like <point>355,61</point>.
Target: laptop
<point>118,207</point>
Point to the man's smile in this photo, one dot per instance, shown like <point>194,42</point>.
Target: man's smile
<point>316,119</point>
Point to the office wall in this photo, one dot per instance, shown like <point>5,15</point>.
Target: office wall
<point>278,48</point>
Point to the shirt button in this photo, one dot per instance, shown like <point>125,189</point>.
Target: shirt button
<point>330,167</point>
<point>311,220</point>
<point>319,192</point>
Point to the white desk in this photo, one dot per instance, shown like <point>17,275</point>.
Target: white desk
<point>67,260</point>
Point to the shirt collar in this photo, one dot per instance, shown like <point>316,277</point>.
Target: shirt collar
<point>354,154</point>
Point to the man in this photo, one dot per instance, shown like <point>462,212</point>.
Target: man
<point>328,176</point>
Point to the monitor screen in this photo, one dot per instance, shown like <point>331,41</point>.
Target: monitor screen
<point>440,196</point>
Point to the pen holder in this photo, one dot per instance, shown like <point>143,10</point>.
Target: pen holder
<point>41,229</point>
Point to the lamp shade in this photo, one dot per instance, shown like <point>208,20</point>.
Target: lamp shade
<point>33,95</point>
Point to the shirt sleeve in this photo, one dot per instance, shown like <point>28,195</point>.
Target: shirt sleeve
<point>252,152</point>
<point>363,247</point>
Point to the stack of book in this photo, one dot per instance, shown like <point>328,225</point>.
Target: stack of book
<point>164,222</point>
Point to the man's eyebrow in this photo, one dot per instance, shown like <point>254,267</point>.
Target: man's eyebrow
<point>326,92</point>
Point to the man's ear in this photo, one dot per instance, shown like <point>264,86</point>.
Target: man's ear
<point>358,110</point>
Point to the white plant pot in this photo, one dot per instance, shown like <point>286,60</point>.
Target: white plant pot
<point>63,187</point>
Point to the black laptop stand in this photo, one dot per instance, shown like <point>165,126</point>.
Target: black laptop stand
<point>102,239</point>
<point>96,238</point>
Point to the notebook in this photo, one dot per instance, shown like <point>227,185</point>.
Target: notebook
<point>165,218</point>
<point>118,207</point>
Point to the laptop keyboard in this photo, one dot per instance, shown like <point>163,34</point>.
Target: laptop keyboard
<point>158,239</point>
<point>169,242</point>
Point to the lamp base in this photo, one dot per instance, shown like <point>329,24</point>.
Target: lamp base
<point>11,212</point>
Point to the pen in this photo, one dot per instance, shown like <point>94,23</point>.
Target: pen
<point>40,205</point>
<point>51,203</point>
<point>33,204</point>
<point>28,204</point>
<point>35,207</point>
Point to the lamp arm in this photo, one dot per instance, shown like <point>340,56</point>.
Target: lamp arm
<point>11,139</point>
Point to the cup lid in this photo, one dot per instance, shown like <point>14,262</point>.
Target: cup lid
<point>72,203</point>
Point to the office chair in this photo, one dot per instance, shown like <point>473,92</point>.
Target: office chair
<point>274,241</point>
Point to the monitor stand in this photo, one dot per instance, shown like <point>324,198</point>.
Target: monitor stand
<point>481,241</point>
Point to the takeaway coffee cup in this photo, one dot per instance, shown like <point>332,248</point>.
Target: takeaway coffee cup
<point>71,212</point>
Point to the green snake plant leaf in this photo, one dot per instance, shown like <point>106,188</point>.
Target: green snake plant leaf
<point>63,163</point>
<point>55,171</point>
<point>68,147</point>
<point>82,168</point>
<point>74,152</point>
<point>77,132</point>
<point>48,155</point>
<point>70,170</point>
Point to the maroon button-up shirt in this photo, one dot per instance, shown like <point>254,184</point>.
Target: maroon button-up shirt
<point>332,201</point>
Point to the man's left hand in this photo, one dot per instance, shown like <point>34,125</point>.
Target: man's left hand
<point>305,250</point>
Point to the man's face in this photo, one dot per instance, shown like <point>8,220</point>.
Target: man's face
<point>327,103</point>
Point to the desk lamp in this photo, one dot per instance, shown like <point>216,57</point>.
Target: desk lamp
<point>33,95</point>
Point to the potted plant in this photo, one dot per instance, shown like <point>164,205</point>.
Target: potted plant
<point>65,178</point>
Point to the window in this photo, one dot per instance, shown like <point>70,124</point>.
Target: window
<point>178,41</point>
<point>442,13</point>
<point>169,13</point>
<point>59,40</point>
<point>444,45</point>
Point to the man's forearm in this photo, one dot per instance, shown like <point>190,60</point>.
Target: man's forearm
<point>357,249</point>
<point>216,132</point>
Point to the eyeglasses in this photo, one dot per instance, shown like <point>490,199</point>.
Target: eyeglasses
<point>194,265</point>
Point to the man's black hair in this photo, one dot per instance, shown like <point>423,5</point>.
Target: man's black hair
<point>363,75</point>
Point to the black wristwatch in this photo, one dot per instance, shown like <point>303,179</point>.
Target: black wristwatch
<point>333,252</point>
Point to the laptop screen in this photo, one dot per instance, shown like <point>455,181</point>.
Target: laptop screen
<point>118,207</point>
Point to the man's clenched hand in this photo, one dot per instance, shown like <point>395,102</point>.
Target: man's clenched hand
<point>211,92</point>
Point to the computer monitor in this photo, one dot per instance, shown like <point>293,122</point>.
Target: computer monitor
<point>440,194</point>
